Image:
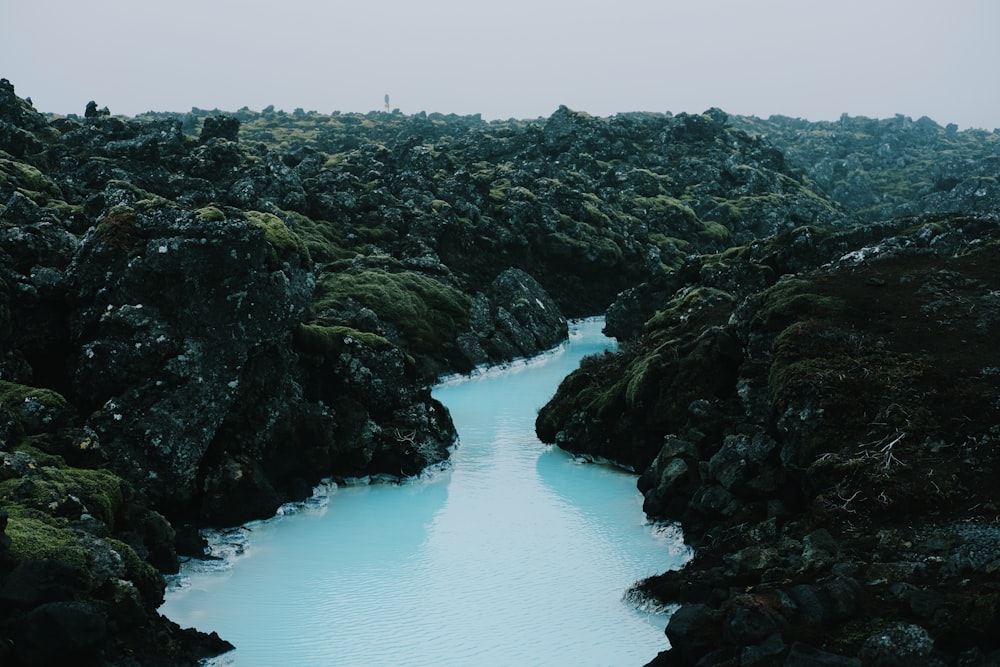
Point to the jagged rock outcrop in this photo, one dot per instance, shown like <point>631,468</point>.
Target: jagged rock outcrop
<point>513,318</point>
<point>174,313</point>
<point>821,431</point>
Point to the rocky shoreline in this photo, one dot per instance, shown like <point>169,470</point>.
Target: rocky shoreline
<point>204,314</point>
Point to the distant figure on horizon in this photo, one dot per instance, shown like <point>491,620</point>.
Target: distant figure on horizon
<point>93,112</point>
<point>387,101</point>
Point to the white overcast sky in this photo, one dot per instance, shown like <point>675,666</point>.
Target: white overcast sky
<point>511,58</point>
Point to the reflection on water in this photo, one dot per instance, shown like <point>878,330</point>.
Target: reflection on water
<point>515,554</point>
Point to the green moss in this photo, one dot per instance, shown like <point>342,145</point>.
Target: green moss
<point>52,482</point>
<point>427,312</point>
<point>794,299</point>
<point>37,447</point>
<point>285,244</point>
<point>566,244</point>
<point>37,536</point>
<point>594,215</point>
<point>139,572</point>
<point>330,340</point>
<point>13,396</point>
<point>713,232</point>
<point>100,490</point>
<point>32,182</point>
<point>13,393</point>
<point>679,309</point>
<point>644,375</point>
<point>145,200</point>
<point>665,206</point>
<point>210,214</point>
<point>323,241</point>
<point>498,193</point>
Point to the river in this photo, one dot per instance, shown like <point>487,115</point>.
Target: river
<point>516,553</point>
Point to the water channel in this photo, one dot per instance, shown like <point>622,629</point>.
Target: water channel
<point>514,554</point>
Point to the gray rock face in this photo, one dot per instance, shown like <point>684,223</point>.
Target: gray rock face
<point>513,318</point>
<point>171,311</point>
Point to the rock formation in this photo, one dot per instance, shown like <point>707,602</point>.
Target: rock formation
<point>821,430</point>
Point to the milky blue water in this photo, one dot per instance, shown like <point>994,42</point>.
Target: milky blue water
<point>515,554</point>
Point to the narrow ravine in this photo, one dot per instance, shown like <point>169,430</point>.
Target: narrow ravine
<point>514,554</point>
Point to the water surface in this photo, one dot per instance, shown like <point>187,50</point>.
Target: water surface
<point>515,554</point>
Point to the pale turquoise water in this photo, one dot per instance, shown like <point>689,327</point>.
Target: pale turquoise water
<point>514,555</point>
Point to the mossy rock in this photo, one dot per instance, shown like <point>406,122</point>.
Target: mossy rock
<point>285,244</point>
<point>323,241</point>
<point>682,309</point>
<point>714,233</point>
<point>210,214</point>
<point>329,341</point>
<point>793,299</point>
<point>51,483</point>
<point>144,200</point>
<point>30,181</point>
<point>145,577</point>
<point>427,312</point>
<point>11,392</point>
<point>36,536</point>
<point>118,230</point>
<point>49,409</point>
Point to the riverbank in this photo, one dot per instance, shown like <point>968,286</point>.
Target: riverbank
<point>827,441</point>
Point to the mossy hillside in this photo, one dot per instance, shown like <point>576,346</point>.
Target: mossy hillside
<point>890,391</point>
<point>622,404</point>
<point>871,384</point>
<point>426,314</point>
<point>486,196</point>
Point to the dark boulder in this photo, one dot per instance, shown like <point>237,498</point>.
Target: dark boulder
<point>804,655</point>
<point>222,127</point>
<point>172,309</point>
<point>693,631</point>
<point>60,632</point>
<point>514,317</point>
